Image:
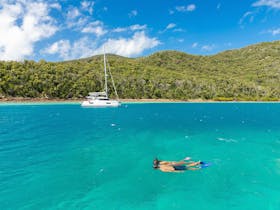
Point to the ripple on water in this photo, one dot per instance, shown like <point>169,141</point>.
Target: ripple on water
<point>63,156</point>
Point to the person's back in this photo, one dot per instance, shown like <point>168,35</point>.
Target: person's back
<point>175,166</point>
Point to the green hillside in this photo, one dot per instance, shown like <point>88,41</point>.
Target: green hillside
<point>250,73</point>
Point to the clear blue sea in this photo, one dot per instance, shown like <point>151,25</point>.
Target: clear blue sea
<point>62,156</point>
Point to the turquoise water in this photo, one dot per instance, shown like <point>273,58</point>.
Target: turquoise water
<point>68,157</point>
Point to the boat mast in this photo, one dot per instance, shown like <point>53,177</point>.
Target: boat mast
<point>105,71</point>
<point>109,69</point>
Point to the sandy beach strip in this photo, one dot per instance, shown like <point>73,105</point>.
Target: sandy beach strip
<point>20,100</point>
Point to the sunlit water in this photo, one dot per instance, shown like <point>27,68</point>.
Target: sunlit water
<point>68,157</point>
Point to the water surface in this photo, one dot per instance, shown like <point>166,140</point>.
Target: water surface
<point>68,157</point>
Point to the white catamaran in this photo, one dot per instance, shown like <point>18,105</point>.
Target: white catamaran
<point>101,99</point>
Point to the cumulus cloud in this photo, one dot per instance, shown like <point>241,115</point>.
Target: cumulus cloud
<point>181,40</point>
<point>178,30</point>
<point>96,28</point>
<point>194,45</point>
<point>132,46</point>
<point>135,27</point>
<point>87,6</point>
<point>170,26</point>
<point>73,13</point>
<point>191,7</point>
<point>133,13</point>
<point>55,6</point>
<point>86,47</point>
<point>81,48</point>
<point>171,12</point>
<point>22,24</point>
<point>75,19</point>
<point>268,3</point>
<point>207,48</point>
<point>61,47</point>
<point>274,32</point>
<point>188,8</point>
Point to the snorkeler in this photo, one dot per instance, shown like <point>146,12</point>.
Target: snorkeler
<point>176,166</point>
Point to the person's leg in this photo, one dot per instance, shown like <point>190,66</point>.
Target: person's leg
<point>193,164</point>
<point>193,169</point>
<point>179,163</point>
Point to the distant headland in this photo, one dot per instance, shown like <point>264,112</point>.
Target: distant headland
<point>246,74</point>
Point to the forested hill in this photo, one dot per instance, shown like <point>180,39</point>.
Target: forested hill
<point>250,73</point>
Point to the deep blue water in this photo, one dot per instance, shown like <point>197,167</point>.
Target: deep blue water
<point>67,157</point>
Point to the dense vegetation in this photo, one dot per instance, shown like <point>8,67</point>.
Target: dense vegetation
<point>251,73</point>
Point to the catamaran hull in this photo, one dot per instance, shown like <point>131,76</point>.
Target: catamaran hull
<point>97,103</point>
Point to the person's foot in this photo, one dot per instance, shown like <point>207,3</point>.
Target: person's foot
<point>187,158</point>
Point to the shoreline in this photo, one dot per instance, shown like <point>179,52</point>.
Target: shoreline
<point>77,101</point>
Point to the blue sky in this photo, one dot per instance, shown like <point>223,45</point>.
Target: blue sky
<point>57,30</point>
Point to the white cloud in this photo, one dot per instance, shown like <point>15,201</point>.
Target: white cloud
<point>181,40</point>
<point>207,48</point>
<point>170,26</point>
<point>247,16</point>
<point>56,6</point>
<point>133,13</point>
<point>178,30</point>
<point>80,22</point>
<point>268,3</point>
<point>61,47</point>
<point>75,19</point>
<point>194,45</point>
<point>130,47</point>
<point>86,47</point>
<point>135,27</point>
<point>87,6</point>
<point>22,24</point>
<point>188,8</point>
<point>274,32</point>
<point>73,13</point>
<point>191,7</point>
<point>96,28</point>
<point>119,29</point>
<point>67,51</point>
<point>181,8</point>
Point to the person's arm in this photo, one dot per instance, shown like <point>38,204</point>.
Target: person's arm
<point>193,169</point>
<point>165,163</point>
<point>193,164</point>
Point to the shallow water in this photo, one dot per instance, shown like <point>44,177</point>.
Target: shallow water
<point>68,157</point>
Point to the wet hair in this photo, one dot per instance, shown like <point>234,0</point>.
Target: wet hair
<point>156,163</point>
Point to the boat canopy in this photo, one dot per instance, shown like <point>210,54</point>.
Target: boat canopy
<point>95,94</point>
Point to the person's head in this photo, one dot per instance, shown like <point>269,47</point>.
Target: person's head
<point>156,163</point>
